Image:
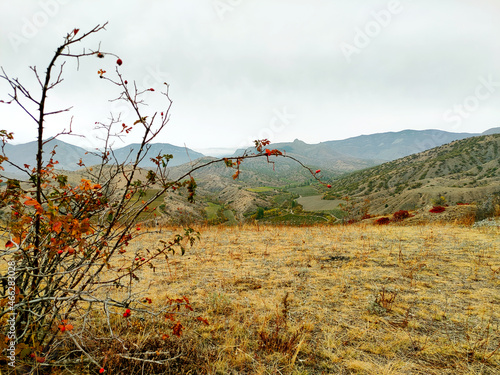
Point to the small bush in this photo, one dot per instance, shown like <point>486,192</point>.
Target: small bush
<point>401,215</point>
<point>439,201</point>
<point>382,221</point>
<point>437,209</point>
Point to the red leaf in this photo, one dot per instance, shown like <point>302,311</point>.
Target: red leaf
<point>75,31</point>
<point>9,244</point>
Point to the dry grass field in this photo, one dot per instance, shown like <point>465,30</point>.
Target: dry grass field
<point>322,300</point>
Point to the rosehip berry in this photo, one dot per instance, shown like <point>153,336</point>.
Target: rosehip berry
<point>101,370</point>
<point>100,55</point>
<point>143,259</point>
<point>119,61</point>
<point>60,252</point>
<point>319,170</point>
<point>125,82</point>
<point>329,186</point>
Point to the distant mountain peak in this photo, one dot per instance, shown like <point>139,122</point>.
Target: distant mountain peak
<point>492,131</point>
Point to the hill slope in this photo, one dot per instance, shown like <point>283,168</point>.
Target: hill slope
<point>461,171</point>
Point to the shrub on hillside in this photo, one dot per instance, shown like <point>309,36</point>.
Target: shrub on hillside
<point>439,201</point>
<point>382,221</point>
<point>489,207</point>
<point>401,215</point>
<point>437,209</point>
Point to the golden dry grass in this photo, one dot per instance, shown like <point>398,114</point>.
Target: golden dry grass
<point>360,299</point>
<point>336,299</point>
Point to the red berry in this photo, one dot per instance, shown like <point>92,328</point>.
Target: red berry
<point>319,170</point>
<point>329,186</point>
<point>101,370</point>
<point>125,82</point>
<point>136,258</point>
<point>143,259</point>
<point>60,252</point>
<point>119,61</point>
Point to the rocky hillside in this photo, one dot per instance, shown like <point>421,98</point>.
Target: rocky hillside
<point>467,170</point>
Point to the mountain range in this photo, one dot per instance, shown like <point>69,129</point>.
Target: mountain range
<point>69,156</point>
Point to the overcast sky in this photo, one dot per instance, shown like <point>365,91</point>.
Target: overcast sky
<point>239,70</point>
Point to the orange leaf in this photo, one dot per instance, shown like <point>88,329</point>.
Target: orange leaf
<point>169,317</point>
<point>203,320</point>
<point>9,244</point>
<point>56,227</point>
<point>31,202</point>
<point>177,329</point>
